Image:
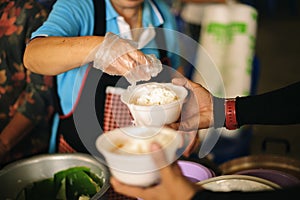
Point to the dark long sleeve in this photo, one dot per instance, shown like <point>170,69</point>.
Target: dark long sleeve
<point>278,107</point>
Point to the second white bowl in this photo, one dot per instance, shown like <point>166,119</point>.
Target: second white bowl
<point>126,151</point>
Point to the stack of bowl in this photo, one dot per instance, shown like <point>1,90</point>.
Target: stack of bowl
<point>282,170</point>
<point>195,172</point>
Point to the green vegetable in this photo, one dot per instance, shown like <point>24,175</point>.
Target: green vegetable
<point>70,184</point>
<point>61,193</point>
<point>80,183</point>
<point>96,178</point>
<point>41,190</point>
<point>84,198</point>
<point>59,176</point>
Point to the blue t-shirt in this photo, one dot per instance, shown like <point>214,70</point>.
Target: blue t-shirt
<point>76,18</point>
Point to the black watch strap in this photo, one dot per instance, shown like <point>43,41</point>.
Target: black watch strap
<point>219,112</point>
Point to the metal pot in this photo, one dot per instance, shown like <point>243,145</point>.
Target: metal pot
<point>272,163</point>
<point>281,178</point>
<point>15,176</point>
<point>226,183</point>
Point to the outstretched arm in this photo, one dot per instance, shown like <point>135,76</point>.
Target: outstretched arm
<point>55,55</point>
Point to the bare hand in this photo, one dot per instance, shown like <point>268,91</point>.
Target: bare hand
<point>173,185</point>
<point>197,111</point>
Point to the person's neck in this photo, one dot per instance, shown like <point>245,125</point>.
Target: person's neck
<point>132,15</point>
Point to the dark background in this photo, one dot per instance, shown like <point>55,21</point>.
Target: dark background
<point>278,51</point>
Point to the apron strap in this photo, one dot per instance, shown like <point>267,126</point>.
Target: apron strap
<point>66,125</point>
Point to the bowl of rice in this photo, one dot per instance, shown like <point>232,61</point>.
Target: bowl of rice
<point>154,104</point>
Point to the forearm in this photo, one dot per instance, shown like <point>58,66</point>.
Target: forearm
<point>277,107</point>
<point>15,130</point>
<point>55,55</point>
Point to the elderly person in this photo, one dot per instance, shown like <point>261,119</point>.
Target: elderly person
<point>116,36</point>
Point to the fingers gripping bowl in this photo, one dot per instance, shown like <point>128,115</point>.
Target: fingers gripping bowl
<point>128,156</point>
<point>154,104</point>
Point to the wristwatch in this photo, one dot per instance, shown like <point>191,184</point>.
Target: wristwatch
<point>230,114</point>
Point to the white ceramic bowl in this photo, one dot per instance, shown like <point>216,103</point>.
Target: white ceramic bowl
<point>154,115</point>
<point>126,151</point>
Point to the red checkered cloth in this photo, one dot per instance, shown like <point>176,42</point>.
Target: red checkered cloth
<point>116,113</point>
<point>63,146</point>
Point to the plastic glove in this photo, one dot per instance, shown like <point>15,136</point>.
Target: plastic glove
<point>117,56</point>
<point>144,72</point>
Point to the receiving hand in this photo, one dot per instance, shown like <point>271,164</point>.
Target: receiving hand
<point>118,56</point>
<point>191,142</point>
<point>173,185</point>
<point>197,111</point>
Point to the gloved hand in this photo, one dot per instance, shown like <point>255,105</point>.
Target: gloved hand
<point>117,56</point>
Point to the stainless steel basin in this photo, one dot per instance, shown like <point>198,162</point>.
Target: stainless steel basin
<point>15,176</point>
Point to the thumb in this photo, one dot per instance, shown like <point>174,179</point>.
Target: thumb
<point>158,155</point>
<point>161,162</point>
<point>184,82</point>
<point>179,81</point>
